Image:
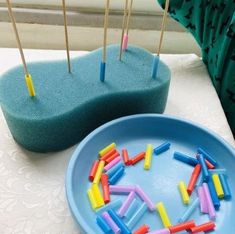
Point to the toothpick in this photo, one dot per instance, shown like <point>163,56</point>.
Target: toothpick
<point>66,35</point>
<point>163,26</point>
<point>17,36</point>
<point>28,78</point>
<point>129,17</point>
<point>123,28</point>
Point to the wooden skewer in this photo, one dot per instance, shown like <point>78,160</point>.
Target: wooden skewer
<point>106,22</point>
<point>123,28</point>
<point>17,37</point>
<point>66,35</point>
<point>28,78</point>
<point>129,17</point>
<point>104,56</point>
<point>163,26</point>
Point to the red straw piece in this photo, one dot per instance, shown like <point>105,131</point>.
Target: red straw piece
<point>112,157</point>
<point>193,179</point>
<point>93,170</point>
<point>203,228</point>
<point>125,157</point>
<point>108,154</point>
<point>209,165</point>
<point>182,227</point>
<point>105,188</point>
<point>137,158</point>
<point>142,230</point>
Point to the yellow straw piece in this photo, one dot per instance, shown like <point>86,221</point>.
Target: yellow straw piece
<point>148,157</point>
<point>92,199</point>
<point>97,194</point>
<point>99,172</point>
<point>218,186</point>
<point>107,149</point>
<point>163,214</point>
<point>29,82</point>
<point>184,193</point>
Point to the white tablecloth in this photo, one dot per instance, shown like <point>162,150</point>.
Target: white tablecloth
<point>32,193</point>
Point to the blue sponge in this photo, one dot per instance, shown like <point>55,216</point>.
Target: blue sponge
<point>68,106</point>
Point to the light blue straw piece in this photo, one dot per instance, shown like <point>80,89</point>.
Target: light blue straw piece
<point>199,180</point>
<point>102,71</point>
<point>225,185</point>
<point>155,66</point>
<point>131,210</point>
<point>189,211</point>
<point>112,205</point>
<point>114,169</point>
<point>137,216</point>
<point>218,171</point>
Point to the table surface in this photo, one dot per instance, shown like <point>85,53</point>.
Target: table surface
<point>32,191</point>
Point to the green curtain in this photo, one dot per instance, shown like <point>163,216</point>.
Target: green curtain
<point>212,23</point>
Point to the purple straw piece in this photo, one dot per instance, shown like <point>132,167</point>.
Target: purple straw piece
<point>112,163</point>
<point>126,204</point>
<point>202,199</point>
<point>111,223</point>
<point>163,231</point>
<point>145,198</point>
<point>121,189</point>
<point>211,208</point>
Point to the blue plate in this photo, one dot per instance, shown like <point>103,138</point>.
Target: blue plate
<point>160,183</point>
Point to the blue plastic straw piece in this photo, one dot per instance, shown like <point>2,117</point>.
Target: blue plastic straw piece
<point>214,197</point>
<point>119,222</point>
<point>202,162</point>
<point>207,156</point>
<point>114,179</point>
<point>137,216</point>
<point>112,205</point>
<point>103,225</point>
<point>114,169</point>
<point>187,214</point>
<point>102,71</point>
<point>155,66</point>
<point>218,171</point>
<point>162,148</point>
<point>224,182</point>
<point>199,180</point>
<point>131,210</point>
<point>186,159</point>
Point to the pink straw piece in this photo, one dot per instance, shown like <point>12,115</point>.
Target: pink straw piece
<point>125,42</point>
<point>112,163</point>
<point>111,223</point>
<point>126,204</point>
<point>163,231</point>
<point>202,199</point>
<point>145,198</point>
<point>211,208</point>
<point>121,189</point>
